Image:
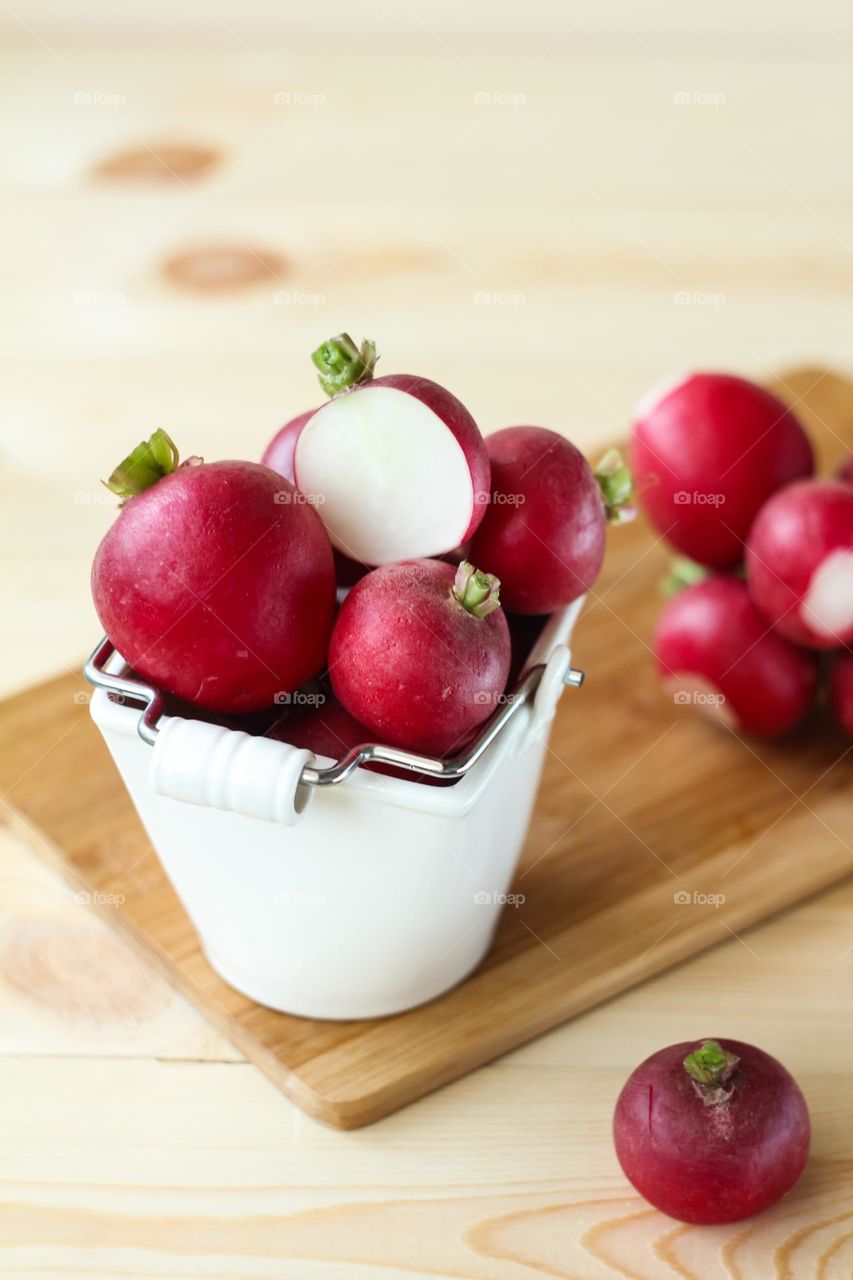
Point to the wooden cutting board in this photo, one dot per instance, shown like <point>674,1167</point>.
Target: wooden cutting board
<point>655,835</point>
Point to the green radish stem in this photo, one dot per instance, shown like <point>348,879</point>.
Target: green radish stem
<point>617,487</point>
<point>145,465</point>
<point>711,1068</point>
<point>477,592</point>
<point>683,572</point>
<point>340,364</point>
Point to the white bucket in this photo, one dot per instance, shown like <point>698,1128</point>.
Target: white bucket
<point>348,901</point>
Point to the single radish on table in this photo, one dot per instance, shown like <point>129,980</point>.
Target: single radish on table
<point>216,582</point>
<point>717,653</point>
<point>707,450</point>
<point>799,562</point>
<point>543,531</point>
<point>420,653</point>
<point>711,1132</point>
<point>841,689</point>
<point>396,465</point>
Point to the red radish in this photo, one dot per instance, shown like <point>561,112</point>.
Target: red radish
<point>711,1132</point>
<point>799,562</point>
<point>215,582</point>
<point>279,452</point>
<point>279,455</point>
<point>396,465</point>
<point>329,730</point>
<point>845,471</point>
<point>706,451</point>
<point>716,653</point>
<point>420,653</point>
<point>543,531</point>
<point>321,725</point>
<point>841,690</point>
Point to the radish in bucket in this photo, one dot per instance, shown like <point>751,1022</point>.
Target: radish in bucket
<point>799,562</point>
<point>707,450</point>
<point>543,531</point>
<point>420,653</point>
<point>216,581</point>
<point>279,452</point>
<point>396,465</point>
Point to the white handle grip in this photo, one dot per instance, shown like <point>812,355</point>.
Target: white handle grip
<point>207,764</point>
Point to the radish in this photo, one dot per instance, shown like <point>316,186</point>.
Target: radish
<point>279,452</point>
<point>279,456</point>
<point>841,690</point>
<point>396,465</point>
<point>420,653</point>
<point>799,562</point>
<point>327,729</point>
<point>845,471</point>
<point>716,653</point>
<point>322,726</point>
<point>543,531</point>
<point>706,451</point>
<point>711,1132</point>
<point>215,582</point>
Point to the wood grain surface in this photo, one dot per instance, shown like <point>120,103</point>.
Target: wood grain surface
<point>672,192</point>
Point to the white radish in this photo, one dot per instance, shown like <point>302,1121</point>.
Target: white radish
<point>396,466</point>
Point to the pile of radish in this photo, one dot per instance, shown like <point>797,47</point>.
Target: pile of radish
<point>226,583</point>
<point>764,604</point>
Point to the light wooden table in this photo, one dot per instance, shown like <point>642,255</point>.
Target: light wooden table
<point>547,221</point>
